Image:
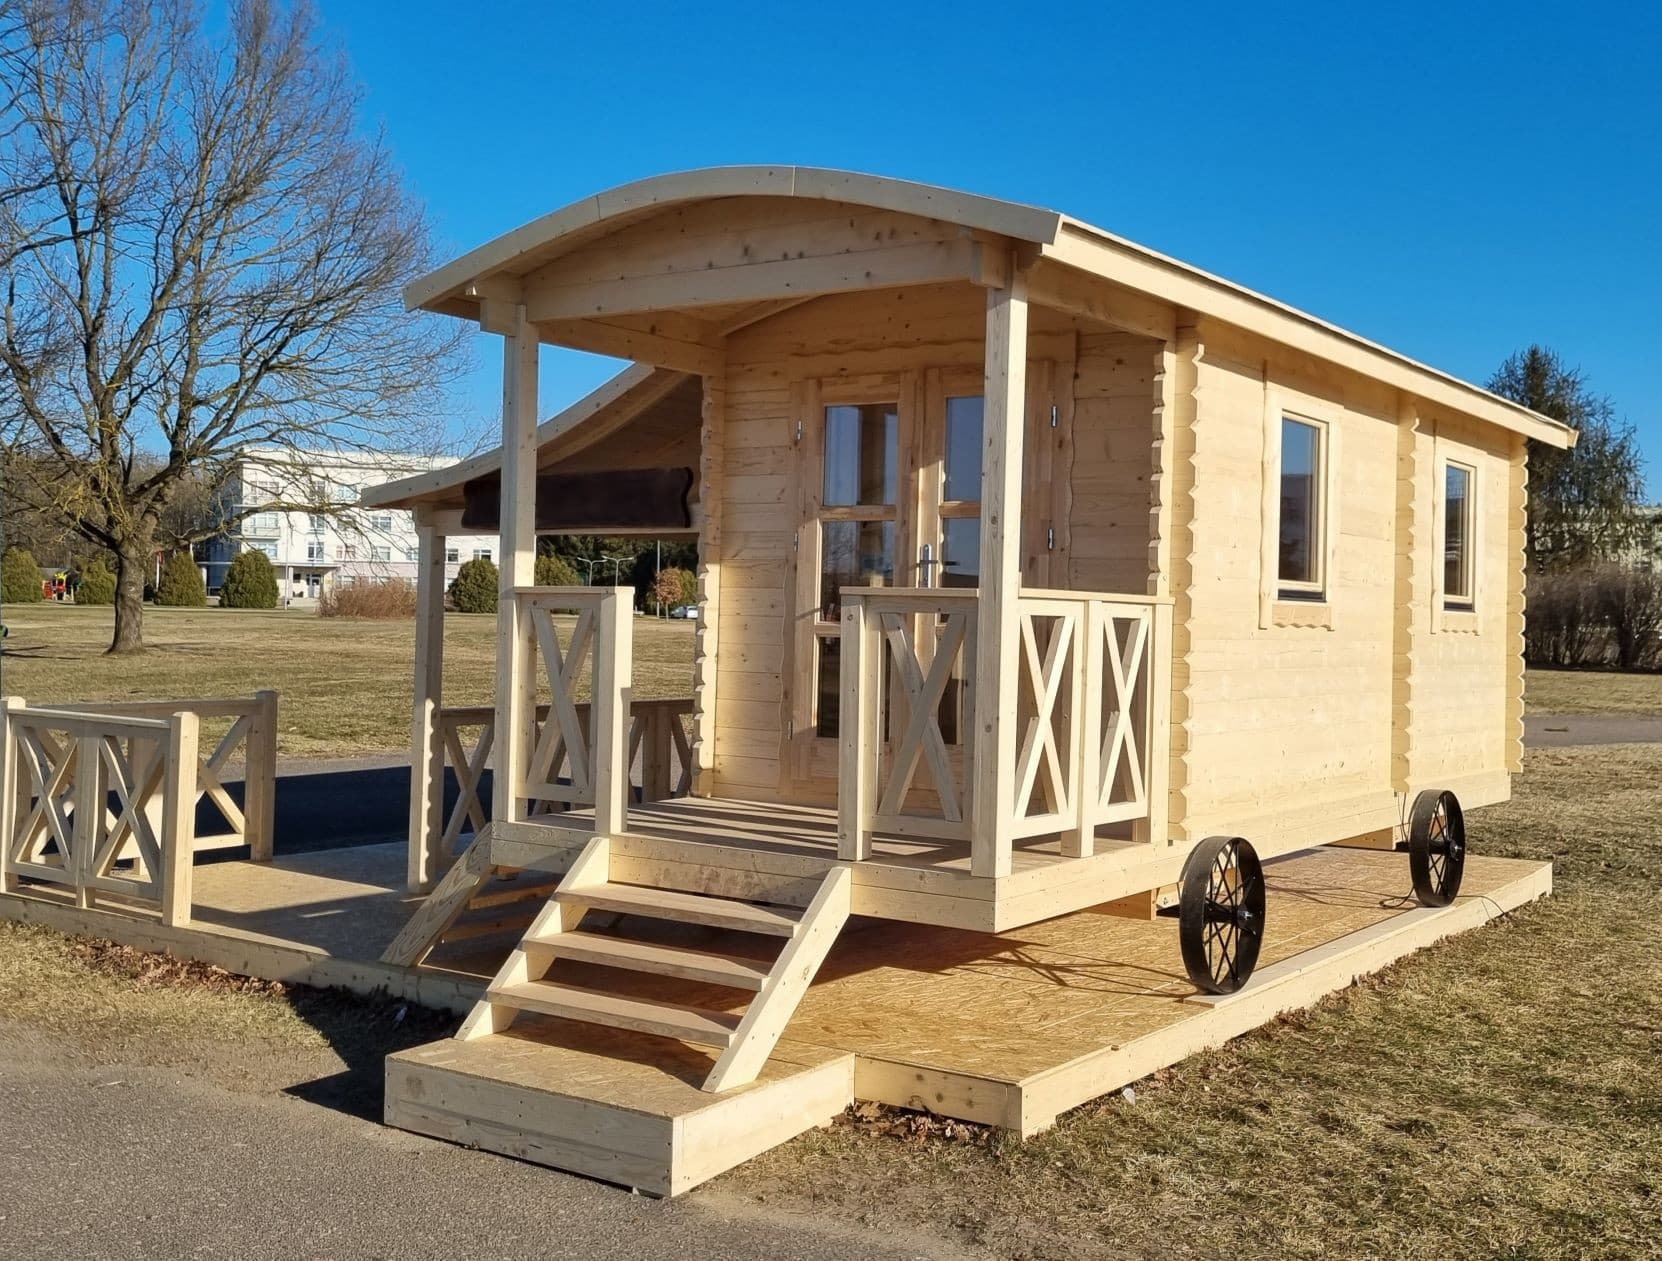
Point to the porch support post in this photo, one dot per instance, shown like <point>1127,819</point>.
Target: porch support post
<point>998,634</point>
<point>515,683</point>
<point>426,740</point>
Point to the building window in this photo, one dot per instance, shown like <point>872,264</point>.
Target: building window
<point>481,553</point>
<point>452,555</point>
<point>314,553</point>
<point>315,521</point>
<point>380,553</point>
<point>347,551</point>
<point>381,521</point>
<point>1458,521</point>
<point>1302,525</point>
<point>412,553</point>
<point>263,524</point>
<point>270,549</point>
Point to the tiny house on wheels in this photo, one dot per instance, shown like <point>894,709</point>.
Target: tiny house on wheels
<point>1037,572</point>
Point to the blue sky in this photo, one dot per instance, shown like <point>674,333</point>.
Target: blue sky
<point>1454,181</point>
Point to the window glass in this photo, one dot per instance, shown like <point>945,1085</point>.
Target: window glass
<point>826,712</point>
<point>961,552</point>
<point>853,554</point>
<point>1457,543</point>
<point>862,454</point>
<point>1300,538</point>
<point>963,447</point>
<point>481,553</point>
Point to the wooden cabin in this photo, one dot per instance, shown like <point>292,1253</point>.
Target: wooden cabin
<point>1029,560</point>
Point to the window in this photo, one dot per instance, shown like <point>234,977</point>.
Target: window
<point>412,553</point>
<point>347,551</point>
<point>960,505</point>
<point>1299,540</point>
<point>381,521</point>
<point>314,553</point>
<point>481,553</point>
<point>270,549</point>
<point>380,553</point>
<point>315,521</point>
<point>263,524</point>
<point>452,555</point>
<point>1458,520</point>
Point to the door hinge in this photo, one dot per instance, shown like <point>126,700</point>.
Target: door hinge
<point>1055,416</point>
<point>790,729</point>
<point>795,539</point>
<point>799,431</point>
<point>1050,538</point>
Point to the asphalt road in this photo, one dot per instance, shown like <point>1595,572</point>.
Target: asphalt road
<point>117,1162</point>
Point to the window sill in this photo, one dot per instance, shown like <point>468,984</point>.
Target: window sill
<point>1459,622</point>
<point>1314,613</point>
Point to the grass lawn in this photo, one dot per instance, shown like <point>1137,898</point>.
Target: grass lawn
<point>1592,692</point>
<point>344,684</point>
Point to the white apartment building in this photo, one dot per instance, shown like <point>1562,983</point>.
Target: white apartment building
<point>340,543</point>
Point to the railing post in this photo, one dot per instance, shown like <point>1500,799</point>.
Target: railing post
<point>654,718</point>
<point>997,669</point>
<point>11,786</point>
<point>613,682</point>
<point>857,712</point>
<point>177,836</point>
<point>88,810</point>
<point>426,739</point>
<point>259,802</point>
<point>1156,728</point>
<point>1079,841</point>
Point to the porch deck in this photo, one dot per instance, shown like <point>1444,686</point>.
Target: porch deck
<point>750,846</point>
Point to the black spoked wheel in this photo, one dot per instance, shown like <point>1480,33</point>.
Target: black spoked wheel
<point>1437,846</point>
<point>1221,913</point>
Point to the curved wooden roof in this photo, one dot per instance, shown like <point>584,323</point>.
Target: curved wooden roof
<point>461,287</point>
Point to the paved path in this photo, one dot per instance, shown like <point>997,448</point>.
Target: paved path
<point>1550,731</point>
<point>115,1162</point>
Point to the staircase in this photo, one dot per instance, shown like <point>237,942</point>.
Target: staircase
<point>799,938</point>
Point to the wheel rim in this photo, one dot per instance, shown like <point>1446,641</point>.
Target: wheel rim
<point>1437,847</point>
<point>1223,915</point>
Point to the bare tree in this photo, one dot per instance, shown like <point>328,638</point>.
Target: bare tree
<point>200,256</point>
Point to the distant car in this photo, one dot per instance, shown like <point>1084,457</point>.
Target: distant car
<point>688,611</point>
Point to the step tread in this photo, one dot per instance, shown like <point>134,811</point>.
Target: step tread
<point>692,908</point>
<point>691,1024</point>
<point>661,960</point>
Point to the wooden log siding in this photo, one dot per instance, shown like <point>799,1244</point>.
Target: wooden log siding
<point>102,806</point>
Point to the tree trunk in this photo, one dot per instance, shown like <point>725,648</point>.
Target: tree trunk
<point>131,566</point>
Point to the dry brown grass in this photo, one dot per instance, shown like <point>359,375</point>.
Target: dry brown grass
<point>344,683</point>
<point>1592,692</point>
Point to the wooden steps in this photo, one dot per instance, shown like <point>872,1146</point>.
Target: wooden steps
<point>690,1024</point>
<point>613,966</point>
<point>688,908</point>
<point>645,956</point>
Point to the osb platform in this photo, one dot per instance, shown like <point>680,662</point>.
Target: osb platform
<point>1009,1030</point>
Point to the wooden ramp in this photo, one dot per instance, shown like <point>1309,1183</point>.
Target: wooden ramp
<point>624,1107</point>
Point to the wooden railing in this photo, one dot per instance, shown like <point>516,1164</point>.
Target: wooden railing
<point>252,729</point>
<point>1091,708</point>
<point>1089,699</point>
<point>659,750</point>
<point>906,706</point>
<point>573,761</point>
<point>61,770</point>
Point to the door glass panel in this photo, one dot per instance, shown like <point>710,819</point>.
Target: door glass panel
<point>862,454</point>
<point>963,447</point>
<point>853,554</point>
<point>961,552</point>
<point>826,707</point>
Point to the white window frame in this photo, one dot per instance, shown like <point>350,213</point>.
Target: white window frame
<point>1452,602</point>
<point>482,553</point>
<point>1303,604</point>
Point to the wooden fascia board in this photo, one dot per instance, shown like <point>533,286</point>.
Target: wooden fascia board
<point>1135,268</point>
<point>631,389</point>
<point>536,242</point>
<point>930,262</point>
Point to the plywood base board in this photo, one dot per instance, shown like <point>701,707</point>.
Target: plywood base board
<point>1292,984</point>
<point>621,1107</point>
